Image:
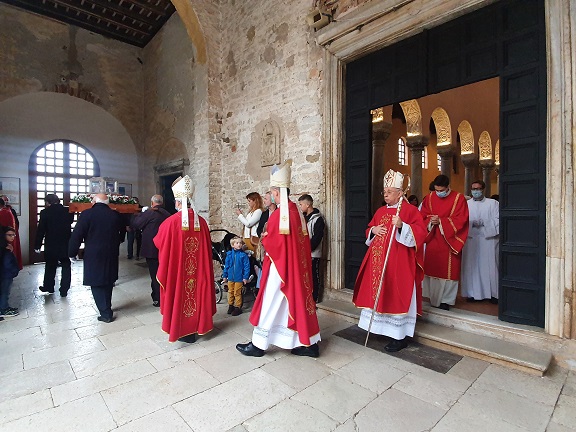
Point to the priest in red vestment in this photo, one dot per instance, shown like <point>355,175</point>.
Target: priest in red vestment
<point>400,297</point>
<point>185,272</point>
<point>445,213</point>
<point>284,313</point>
<point>7,219</point>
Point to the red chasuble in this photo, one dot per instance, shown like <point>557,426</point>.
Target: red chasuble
<point>444,242</point>
<point>186,277</point>
<point>404,268</point>
<point>293,259</point>
<point>7,219</point>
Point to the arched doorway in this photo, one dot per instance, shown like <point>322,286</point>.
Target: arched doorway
<point>61,167</point>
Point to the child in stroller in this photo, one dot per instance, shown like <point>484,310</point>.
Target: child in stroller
<point>219,251</point>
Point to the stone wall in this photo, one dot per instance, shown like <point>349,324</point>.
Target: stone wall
<point>272,69</point>
<point>39,54</point>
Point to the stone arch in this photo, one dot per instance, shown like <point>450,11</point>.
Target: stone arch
<point>485,146</point>
<point>443,128</point>
<point>413,117</point>
<point>192,24</point>
<point>172,150</point>
<point>466,137</point>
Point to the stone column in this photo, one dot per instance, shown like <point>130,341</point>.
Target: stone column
<point>416,144</point>
<point>470,162</point>
<point>380,133</point>
<point>487,167</point>
<point>446,152</point>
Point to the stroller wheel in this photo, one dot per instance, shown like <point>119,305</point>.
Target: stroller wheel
<point>218,290</point>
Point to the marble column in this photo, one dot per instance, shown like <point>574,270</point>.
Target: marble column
<point>470,162</point>
<point>487,168</point>
<point>416,144</point>
<point>446,152</point>
<point>380,133</point>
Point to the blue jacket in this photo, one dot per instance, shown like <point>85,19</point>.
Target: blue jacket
<point>236,266</point>
<point>10,267</point>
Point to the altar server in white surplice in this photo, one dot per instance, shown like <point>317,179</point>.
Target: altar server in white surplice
<point>480,254</point>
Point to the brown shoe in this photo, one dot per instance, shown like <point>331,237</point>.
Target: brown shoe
<point>237,311</point>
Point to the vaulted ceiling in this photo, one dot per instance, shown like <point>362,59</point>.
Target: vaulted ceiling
<point>132,21</point>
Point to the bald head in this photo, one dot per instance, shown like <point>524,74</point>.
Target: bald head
<point>101,198</point>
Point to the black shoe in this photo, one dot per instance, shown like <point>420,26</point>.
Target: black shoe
<point>106,320</point>
<point>444,306</point>
<point>308,351</point>
<point>237,311</point>
<point>396,345</point>
<point>250,350</point>
<point>128,257</point>
<point>230,309</point>
<point>471,300</point>
<point>188,339</point>
<point>44,290</point>
<point>494,300</point>
<point>63,293</point>
<point>156,303</point>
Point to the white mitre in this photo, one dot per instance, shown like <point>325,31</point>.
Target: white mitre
<point>184,189</point>
<point>394,179</point>
<point>280,178</point>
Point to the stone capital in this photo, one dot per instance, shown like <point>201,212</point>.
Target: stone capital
<point>416,142</point>
<point>469,160</point>
<point>487,163</point>
<point>445,150</point>
<point>380,132</point>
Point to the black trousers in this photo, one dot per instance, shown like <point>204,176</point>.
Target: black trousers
<point>153,269</point>
<point>103,298</point>
<point>315,278</point>
<point>50,273</point>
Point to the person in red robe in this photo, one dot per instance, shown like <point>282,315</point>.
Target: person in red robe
<point>8,219</point>
<point>446,214</point>
<point>400,297</point>
<point>185,272</point>
<point>284,313</point>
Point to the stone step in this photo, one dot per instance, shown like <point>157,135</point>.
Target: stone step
<point>490,342</point>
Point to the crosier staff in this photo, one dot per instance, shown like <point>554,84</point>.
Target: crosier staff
<point>392,234</point>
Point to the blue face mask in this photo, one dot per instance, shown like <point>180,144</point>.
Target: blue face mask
<point>272,199</point>
<point>443,194</point>
<point>477,194</point>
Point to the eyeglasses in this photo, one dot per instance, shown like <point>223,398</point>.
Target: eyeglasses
<point>478,189</point>
<point>10,235</point>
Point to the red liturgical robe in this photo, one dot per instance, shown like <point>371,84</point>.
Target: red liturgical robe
<point>292,258</point>
<point>7,219</point>
<point>444,242</point>
<point>186,277</point>
<point>404,268</point>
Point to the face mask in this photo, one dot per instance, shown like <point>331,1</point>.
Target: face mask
<point>272,200</point>
<point>443,194</point>
<point>477,194</point>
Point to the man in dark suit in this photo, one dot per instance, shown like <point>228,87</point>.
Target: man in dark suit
<point>102,230</point>
<point>270,207</point>
<point>54,228</point>
<point>148,222</point>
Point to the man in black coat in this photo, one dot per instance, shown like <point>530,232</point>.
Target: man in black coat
<point>102,230</point>
<point>270,207</point>
<point>148,222</point>
<point>54,228</point>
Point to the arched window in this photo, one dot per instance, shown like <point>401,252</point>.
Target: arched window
<point>60,167</point>
<point>402,160</point>
<point>439,160</point>
<point>425,158</point>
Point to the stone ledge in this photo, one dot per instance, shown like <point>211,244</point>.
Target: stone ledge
<point>492,349</point>
<point>486,348</point>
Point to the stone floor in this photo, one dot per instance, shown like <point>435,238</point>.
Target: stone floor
<point>62,370</point>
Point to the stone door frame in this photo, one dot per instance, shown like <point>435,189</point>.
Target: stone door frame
<point>379,24</point>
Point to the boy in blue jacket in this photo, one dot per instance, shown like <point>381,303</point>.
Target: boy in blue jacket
<point>236,273</point>
<point>8,271</point>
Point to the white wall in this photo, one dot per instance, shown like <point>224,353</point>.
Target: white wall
<point>29,120</point>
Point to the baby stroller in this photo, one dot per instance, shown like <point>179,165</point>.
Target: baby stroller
<point>219,251</point>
